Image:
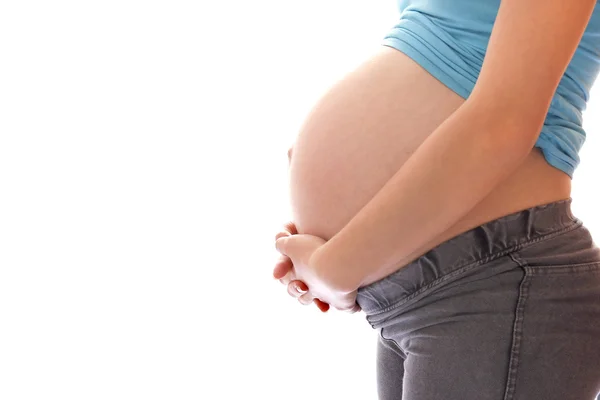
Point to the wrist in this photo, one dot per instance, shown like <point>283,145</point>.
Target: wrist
<point>331,270</point>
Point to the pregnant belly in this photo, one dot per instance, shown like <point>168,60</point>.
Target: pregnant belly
<point>358,135</point>
<point>364,129</point>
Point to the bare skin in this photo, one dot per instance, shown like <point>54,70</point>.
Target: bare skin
<point>363,130</point>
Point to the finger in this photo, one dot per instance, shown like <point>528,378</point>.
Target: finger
<point>297,288</point>
<point>299,248</point>
<point>290,276</point>
<point>282,267</point>
<point>324,307</point>
<point>288,229</point>
<point>281,244</point>
<point>281,234</point>
<point>291,228</point>
<point>294,292</point>
<point>306,299</point>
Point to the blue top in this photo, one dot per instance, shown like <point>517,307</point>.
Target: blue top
<point>449,39</point>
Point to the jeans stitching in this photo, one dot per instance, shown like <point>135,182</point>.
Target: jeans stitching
<point>393,342</point>
<point>513,363</point>
<point>432,284</point>
<point>576,224</point>
<point>566,269</point>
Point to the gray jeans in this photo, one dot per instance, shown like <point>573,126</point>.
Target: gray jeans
<point>509,310</point>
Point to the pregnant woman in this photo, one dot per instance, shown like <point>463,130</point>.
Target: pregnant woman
<point>431,189</point>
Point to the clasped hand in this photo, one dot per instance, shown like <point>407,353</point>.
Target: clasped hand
<point>297,270</point>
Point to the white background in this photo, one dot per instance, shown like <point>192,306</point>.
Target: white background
<point>143,176</point>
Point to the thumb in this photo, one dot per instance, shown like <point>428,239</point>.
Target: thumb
<point>293,246</point>
<point>298,247</point>
<point>282,244</point>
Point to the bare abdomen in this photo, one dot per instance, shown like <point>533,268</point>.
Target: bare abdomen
<point>358,135</point>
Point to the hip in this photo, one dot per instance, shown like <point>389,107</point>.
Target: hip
<point>533,183</point>
<point>510,309</point>
<point>545,242</point>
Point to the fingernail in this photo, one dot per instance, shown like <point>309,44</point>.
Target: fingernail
<point>300,290</point>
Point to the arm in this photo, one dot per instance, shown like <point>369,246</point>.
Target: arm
<point>470,153</point>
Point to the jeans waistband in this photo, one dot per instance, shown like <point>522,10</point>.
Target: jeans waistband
<point>492,239</point>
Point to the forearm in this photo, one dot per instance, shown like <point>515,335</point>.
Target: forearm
<point>448,175</point>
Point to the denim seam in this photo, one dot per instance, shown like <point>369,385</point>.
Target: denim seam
<point>577,223</point>
<point>566,269</point>
<point>474,264</point>
<point>440,280</point>
<point>394,343</point>
<point>513,364</point>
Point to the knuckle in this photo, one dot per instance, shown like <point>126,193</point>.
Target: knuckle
<point>291,289</point>
<point>285,280</point>
<point>280,235</point>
